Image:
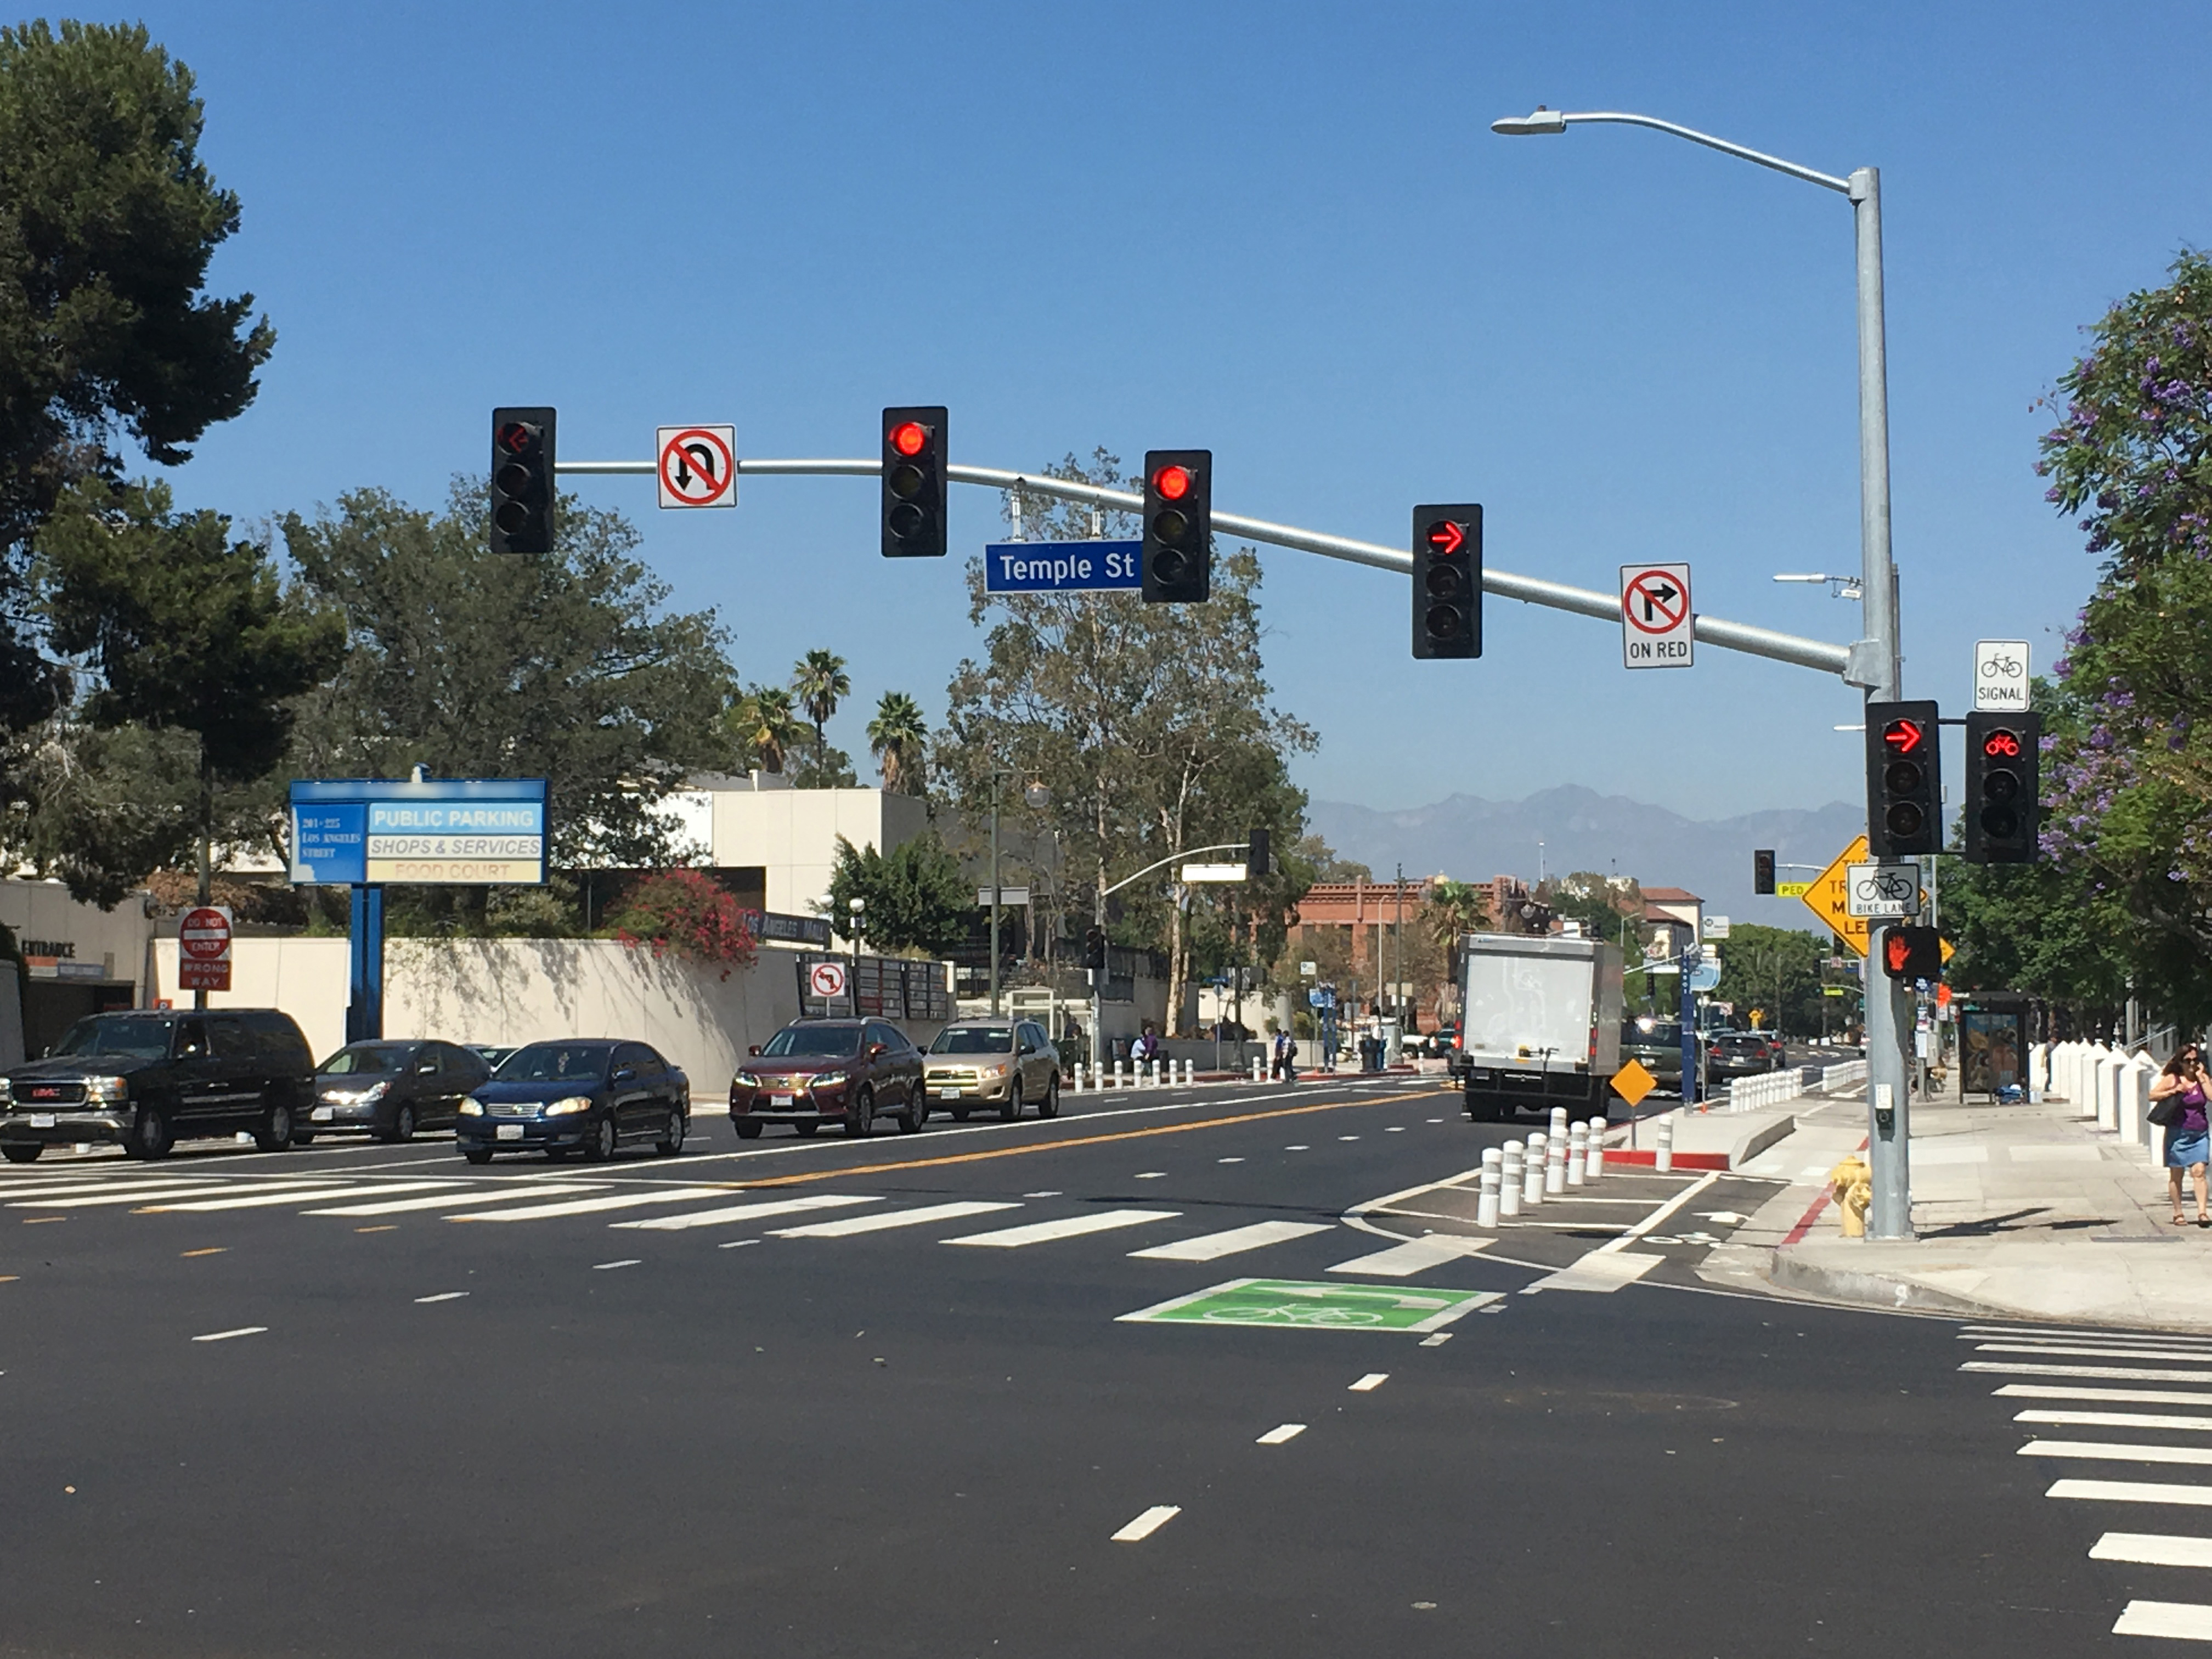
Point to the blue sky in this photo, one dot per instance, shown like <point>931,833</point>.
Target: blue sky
<point>1282,231</point>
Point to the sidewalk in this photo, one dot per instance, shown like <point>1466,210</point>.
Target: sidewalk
<point>2021,1212</point>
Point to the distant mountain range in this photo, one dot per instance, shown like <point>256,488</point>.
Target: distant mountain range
<point>1471,839</point>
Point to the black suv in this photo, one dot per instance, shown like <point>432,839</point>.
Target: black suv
<point>149,1079</point>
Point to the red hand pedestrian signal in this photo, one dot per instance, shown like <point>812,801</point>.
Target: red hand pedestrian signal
<point>1904,737</point>
<point>1897,951</point>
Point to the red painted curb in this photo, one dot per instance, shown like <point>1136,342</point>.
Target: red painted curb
<point>1682,1160</point>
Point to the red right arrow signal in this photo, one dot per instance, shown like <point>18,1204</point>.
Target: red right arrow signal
<point>1446,537</point>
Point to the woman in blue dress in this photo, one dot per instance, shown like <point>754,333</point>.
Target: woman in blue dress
<point>2188,1143</point>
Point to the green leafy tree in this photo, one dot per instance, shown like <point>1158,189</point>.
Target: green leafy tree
<point>899,739</point>
<point>764,726</point>
<point>1775,970</point>
<point>915,898</point>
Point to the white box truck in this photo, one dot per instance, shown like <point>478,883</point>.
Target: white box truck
<point>1540,1024</point>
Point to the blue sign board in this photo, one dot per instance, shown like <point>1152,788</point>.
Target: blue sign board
<point>1062,566</point>
<point>446,832</point>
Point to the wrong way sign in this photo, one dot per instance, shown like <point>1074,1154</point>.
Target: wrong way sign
<point>1657,629</point>
<point>698,465</point>
<point>203,948</point>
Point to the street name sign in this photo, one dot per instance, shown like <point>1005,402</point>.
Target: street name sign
<point>1828,896</point>
<point>1062,566</point>
<point>1657,629</point>
<point>2001,676</point>
<point>1007,896</point>
<point>697,464</point>
<point>203,948</point>
<point>446,832</point>
<point>1195,873</point>
<point>1882,891</point>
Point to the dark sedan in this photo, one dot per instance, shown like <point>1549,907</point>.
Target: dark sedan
<point>1741,1054</point>
<point>391,1089</point>
<point>830,1071</point>
<point>586,1096</point>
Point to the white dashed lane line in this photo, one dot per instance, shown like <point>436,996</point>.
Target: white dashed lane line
<point>442,1296</point>
<point>1275,1436</point>
<point>1369,1382</point>
<point>1148,1523</point>
<point>631,1261</point>
<point>225,1336</point>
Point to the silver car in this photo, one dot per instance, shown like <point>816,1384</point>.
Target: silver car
<point>1006,1063</point>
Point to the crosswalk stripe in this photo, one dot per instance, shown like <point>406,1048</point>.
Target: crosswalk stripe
<point>399,1206</point>
<point>2133,1492</point>
<point>1413,1256</point>
<point>111,1184</point>
<point>871,1223</point>
<point>1212,1247</point>
<point>743,1213</point>
<point>1979,1333</point>
<point>2132,1396</point>
<point>2153,1549</point>
<point>2118,1452</point>
<point>2187,1621</point>
<point>2115,1419</point>
<point>2084,1351</point>
<point>300,1196</point>
<point>2111,1373</point>
<point>1601,1271</point>
<point>1073,1226</point>
<point>591,1206</point>
<point>197,1189</point>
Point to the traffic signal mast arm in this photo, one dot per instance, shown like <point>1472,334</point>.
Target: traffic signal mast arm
<point>1175,858</point>
<point>1819,655</point>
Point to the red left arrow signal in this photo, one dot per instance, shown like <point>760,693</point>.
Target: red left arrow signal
<point>1446,537</point>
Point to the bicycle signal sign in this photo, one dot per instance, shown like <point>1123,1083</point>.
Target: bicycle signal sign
<point>2001,669</point>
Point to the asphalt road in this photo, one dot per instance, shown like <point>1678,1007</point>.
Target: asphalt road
<point>261,1430</point>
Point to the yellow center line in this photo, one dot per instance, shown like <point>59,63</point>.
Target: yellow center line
<point>37,1220</point>
<point>212,1249</point>
<point>1084,1140</point>
<point>388,1227</point>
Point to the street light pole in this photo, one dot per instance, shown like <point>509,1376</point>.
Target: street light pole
<point>1875,661</point>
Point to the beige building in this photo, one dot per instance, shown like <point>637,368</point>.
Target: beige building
<point>786,839</point>
<point>77,959</point>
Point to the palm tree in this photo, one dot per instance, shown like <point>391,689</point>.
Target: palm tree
<point>898,736</point>
<point>765,724</point>
<point>1455,907</point>
<point>822,683</point>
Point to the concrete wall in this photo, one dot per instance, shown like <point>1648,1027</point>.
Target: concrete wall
<point>307,978</point>
<point>793,833</point>
<point>42,912</point>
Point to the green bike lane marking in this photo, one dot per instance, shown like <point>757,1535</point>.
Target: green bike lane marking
<point>1297,1304</point>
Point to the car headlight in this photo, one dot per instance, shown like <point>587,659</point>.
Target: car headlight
<point>7,1091</point>
<point>569,1106</point>
<point>472,1106</point>
<point>999,1070</point>
<point>830,1080</point>
<point>105,1090</point>
<point>747,1080</point>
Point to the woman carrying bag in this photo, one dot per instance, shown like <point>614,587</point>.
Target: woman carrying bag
<point>2178,1106</point>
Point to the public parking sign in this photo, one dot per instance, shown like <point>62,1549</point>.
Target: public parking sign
<point>1657,629</point>
<point>203,949</point>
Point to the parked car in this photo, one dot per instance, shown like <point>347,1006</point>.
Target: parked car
<point>830,1071</point>
<point>492,1053</point>
<point>1657,1045</point>
<point>147,1079</point>
<point>587,1096</point>
<point>1740,1053</point>
<point>392,1088</point>
<point>1001,1062</point>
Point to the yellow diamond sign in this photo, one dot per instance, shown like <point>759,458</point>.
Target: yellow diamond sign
<point>1828,897</point>
<point>1631,1082</point>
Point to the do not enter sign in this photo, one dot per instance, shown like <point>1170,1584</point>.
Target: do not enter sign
<point>203,949</point>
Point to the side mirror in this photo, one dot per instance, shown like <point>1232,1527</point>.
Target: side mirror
<point>626,1074</point>
<point>876,1050</point>
<point>428,1068</point>
<point>754,1049</point>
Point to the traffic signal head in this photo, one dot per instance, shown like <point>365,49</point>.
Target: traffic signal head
<point>1905,784</point>
<point>522,481</point>
<point>915,483</point>
<point>1762,870</point>
<point>2003,777</point>
<point>1910,953</point>
<point>1178,551</point>
<point>1257,856</point>
<point>1094,949</point>
<point>1447,580</point>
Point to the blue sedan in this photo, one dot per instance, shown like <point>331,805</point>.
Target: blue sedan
<point>588,1097</point>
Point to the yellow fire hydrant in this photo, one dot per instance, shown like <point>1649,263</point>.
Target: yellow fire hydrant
<point>1854,1187</point>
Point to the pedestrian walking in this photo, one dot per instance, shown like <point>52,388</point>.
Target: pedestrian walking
<point>1286,1057</point>
<point>2177,1103</point>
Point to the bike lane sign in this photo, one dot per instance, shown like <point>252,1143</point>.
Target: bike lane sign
<point>1295,1304</point>
<point>2001,668</point>
<point>1882,891</point>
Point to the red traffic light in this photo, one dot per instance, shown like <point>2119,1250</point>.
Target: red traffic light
<point>1446,537</point>
<point>517,437</point>
<point>909,437</point>
<point>1172,483</point>
<point>2001,744</point>
<point>1904,737</point>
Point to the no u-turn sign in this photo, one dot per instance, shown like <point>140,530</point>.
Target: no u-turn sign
<point>1657,626</point>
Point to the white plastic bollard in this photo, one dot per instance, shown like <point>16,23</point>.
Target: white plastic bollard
<point>1558,1123</point>
<point>1663,1159</point>
<point>1258,1074</point>
<point>1595,1158</point>
<point>1510,1178</point>
<point>1120,1077</point>
<point>1577,1152</point>
<point>1555,1164</point>
<point>1189,1072</point>
<point>1493,1173</point>
<point>1531,1179</point>
<point>2103,1091</point>
<point>1075,1083</point>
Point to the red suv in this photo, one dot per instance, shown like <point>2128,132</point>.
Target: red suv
<point>830,1071</point>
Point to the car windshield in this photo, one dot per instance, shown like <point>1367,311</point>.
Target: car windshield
<point>974,1040</point>
<point>807,1041</point>
<point>145,1039</point>
<point>1656,1036</point>
<point>364,1062</point>
<point>555,1062</point>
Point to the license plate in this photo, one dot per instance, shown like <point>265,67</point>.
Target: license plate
<point>323,1113</point>
<point>949,1094</point>
<point>779,1100</point>
<point>42,1120</point>
<point>510,1132</point>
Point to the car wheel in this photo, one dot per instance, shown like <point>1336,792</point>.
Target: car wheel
<point>303,1137</point>
<point>150,1134</point>
<point>477,1154</point>
<point>672,1139</point>
<point>746,1128</point>
<point>805,1130</point>
<point>861,1115</point>
<point>275,1134</point>
<point>916,1114</point>
<point>1013,1108</point>
<point>403,1124</point>
<point>22,1152</point>
<point>601,1146</point>
<point>1049,1106</point>
<point>959,1114</point>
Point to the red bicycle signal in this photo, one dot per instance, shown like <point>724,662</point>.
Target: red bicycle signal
<point>2001,744</point>
<point>1903,737</point>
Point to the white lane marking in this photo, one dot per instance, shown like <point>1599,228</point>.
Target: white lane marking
<point>2132,1396</point>
<point>197,1189</point>
<point>116,1183</point>
<point>399,1205</point>
<point>2086,1351</point>
<point>2111,1373</point>
<point>1212,1247</point>
<point>627,1261</point>
<point>1148,1523</point>
<point>1055,1192</point>
<point>1415,1255</point>
<point>442,1296</point>
<point>1658,1215</point>
<point>871,1223</point>
<point>2115,1419</point>
<point>1435,1120</point>
<point>2184,1621</point>
<point>677,1224</point>
<point>592,1206</point>
<point>734,1245</point>
<point>1369,1382</point>
<point>2133,1492</point>
<point>1348,1136</point>
<point>2114,1451</point>
<point>1297,1149</point>
<point>2153,1549</point>
<point>1601,1272</point>
<point>1976,1332</point>
<point>299,1196</point>
<point>1074,1226</point>
<point>1395,1129</point>
<point>1151,1175</point>
<point>225,1336</point>
<point>1438,1341</point>
<point>1228,1160</point>
<point>1276,1436</point>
